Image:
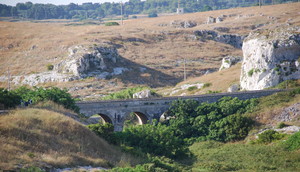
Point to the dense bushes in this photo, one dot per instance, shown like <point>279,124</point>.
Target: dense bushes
<point>211,121</point>
<point>293,142</point>
<point>155,139</point>
<point>14,97</point>
<point>188,122</point>
<point>269,136</point>
<point>106,131</point>
<point>9,99</point>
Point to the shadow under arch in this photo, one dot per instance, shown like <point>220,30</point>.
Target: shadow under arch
<point>142,118</point>
<point>105,118</point>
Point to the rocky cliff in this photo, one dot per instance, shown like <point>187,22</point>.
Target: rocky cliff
<point>232,39</point>
<point>99,61</point>
<point>270,57</point>
<point>88,60</point>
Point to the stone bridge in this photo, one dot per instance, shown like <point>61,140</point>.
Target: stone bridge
<point>116,111</point>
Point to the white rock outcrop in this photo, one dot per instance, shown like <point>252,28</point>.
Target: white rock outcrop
<point>99,61</point>
<point>229,61</point>
<point>143,94</point>
<point>44,77</point>
<point>270,57</point>
<point>85,59</point>
<point>233,88</point>
<point>183,24</point>
<point>211,20</point>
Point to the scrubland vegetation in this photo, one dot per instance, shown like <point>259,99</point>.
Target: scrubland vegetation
<point>211,137</point>
<point>197,137</point>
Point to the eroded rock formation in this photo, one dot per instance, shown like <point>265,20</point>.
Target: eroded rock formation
<point>270,57</point>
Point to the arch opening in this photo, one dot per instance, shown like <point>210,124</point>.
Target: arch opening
<point>105,118</point>
<point>135,118</point>
<point>142,118</point>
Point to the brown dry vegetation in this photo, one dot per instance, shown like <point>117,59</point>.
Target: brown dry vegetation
<point>36,137</point>
<point>161,48</point>
<point>218,81</point>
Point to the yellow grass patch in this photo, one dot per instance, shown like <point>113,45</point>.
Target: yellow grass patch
<point>47,139</point>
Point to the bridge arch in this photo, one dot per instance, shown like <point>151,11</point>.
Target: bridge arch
<point>142,118</point>
<point>105,118</point>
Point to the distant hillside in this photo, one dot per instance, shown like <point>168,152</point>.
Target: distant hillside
<point>42,138</point>
<point>152,50</point>
<point>88,10</point>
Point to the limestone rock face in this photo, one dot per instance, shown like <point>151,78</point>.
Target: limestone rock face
<point>35,79</point>
<point>229,61</point>
<point>143,94</point>
<point>84,59</point>
<point>211,20</point>
<point>234,40</point>
<point>183,24</point>
<point>270,57</point>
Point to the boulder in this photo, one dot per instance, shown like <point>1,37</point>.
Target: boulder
<point>270,57</point>
<point>143,94</point>
<point>84,59</point>
<point>233,88</point>
<point>289,114</point>
<point>183,24</point>
<point>219,19</point>
<point>211,20</point>
<point>229,61</point>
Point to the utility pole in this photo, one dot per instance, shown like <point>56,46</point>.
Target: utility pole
<point>121,13</point>
<point>184,70</point>
<point>8,79</point>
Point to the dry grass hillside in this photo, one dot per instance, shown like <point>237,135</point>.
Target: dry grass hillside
<point>28,47</point>
<point>42,138</point>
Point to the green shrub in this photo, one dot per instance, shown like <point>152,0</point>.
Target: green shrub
<point>154,139</point>
<point>281,125</point>
<point>212,92</point>
<point>105,131</point>
<point>250,72</point>
<point>134,17</point>
<point>151,15</point>
<point>50,67</point>
<point>153,164</point>
<point>192,88</point>
<point>206,85</point>
<point>112,24</point>
<point>269,136</point>
<point>293,142</point>
<point>213,121</point>
<point>126,93</point>
<point>54,94</point>
<point>9,99</point>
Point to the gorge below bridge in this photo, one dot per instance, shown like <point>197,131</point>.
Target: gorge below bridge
<point>116,111</point>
